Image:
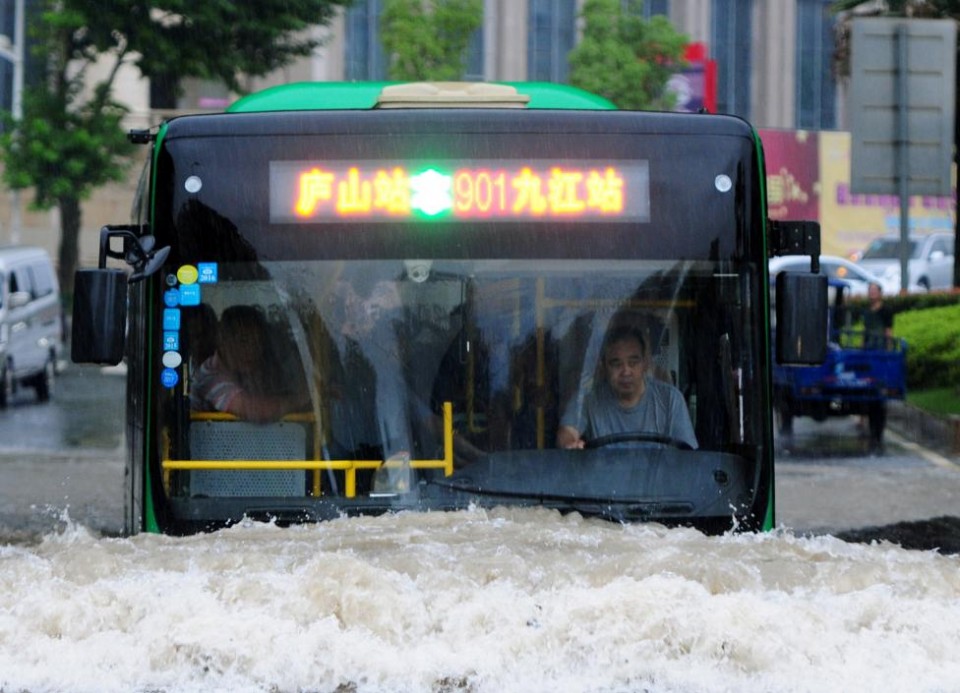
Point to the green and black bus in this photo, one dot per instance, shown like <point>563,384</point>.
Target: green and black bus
<point>437,266</point>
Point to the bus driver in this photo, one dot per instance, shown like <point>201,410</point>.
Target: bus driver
<point>625,400</point>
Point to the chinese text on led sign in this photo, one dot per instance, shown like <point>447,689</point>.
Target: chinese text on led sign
<point>338,191</point>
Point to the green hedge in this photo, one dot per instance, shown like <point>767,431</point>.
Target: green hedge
<point>930,323</point>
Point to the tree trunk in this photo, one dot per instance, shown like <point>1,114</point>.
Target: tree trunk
<point>70,217</point>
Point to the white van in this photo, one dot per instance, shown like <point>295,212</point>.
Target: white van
<point>31,322</point>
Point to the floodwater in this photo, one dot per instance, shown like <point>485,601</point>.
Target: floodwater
<point>469,602</point>
<point>519,600</point>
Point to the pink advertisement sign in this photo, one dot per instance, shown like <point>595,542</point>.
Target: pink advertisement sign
<point>793,174</point>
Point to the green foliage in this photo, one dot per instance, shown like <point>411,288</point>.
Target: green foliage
<point>942,401</point>
<point>930,323</point>
<point>61,151</point>
<point>70,139</point>
<point>933,345</point>
<point>428,39</point>
<point>902,303</point>
<point>625,58</point>
<point>219,39</point>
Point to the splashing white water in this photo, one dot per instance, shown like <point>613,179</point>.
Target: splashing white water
<point>524,600</point>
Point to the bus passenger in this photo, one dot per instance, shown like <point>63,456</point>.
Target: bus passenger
<point>625,400</point>
<point>237,378</point>
<point>376,411</point>
<point>200,326</point>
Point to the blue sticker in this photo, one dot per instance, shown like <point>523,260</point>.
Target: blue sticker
<point>190,295</point>
<point>171,298</point>
<point>207,272</point>
<point>169,377</point>
<point>171,319</point>
<point>171,341</point>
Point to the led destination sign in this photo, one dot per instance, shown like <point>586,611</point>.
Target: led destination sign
<point>364,191</point>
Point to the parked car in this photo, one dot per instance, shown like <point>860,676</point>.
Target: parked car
<point>857,278</point>
<point>930,264</point>
<point>31,322</point>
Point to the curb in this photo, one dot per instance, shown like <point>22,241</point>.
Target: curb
<point>941,433</point>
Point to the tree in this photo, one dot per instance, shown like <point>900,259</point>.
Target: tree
<point>936,9</point>
<point>428,39</point>
<point>624,57</point>
<point>70,139</point>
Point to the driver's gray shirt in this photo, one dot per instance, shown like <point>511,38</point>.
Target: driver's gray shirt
<point>661,411</point>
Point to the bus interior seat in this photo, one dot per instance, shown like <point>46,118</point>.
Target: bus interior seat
<point>229,440</point>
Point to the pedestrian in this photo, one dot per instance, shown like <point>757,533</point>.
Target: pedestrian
<point>877,320</point>
<point>878,335</point>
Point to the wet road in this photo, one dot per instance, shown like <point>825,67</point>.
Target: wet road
<point>86,412</point>
<point>67,456</point>
<point>828,482</point>
<point>63,458</point>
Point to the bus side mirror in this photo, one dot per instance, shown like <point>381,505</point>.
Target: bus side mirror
<point>100,295</point>
<point>801,318</point>
<point>99,316</point>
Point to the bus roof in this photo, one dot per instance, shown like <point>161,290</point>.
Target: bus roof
<point>299,96</point>
<point>445,122</point>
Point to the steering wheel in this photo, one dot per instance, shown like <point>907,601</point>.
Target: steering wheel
<point>636,437</point>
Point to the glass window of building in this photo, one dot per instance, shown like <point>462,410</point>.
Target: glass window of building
<point>732,27</point>
<point>7,21</point>
<point>473,68</point>
<point>653,7</point>
<point>365,58</point>
<point>550,39</point>
<point>816,85</point>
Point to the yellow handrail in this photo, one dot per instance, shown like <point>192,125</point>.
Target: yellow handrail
<point>349,467</point>
<point>296,417</point>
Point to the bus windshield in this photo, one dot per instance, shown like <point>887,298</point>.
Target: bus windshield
<point>442,368</point>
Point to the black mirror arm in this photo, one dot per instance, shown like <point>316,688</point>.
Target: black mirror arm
<point>795,238</point>
<point>138,250</point>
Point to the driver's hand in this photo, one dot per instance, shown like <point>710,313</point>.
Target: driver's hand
<point>569,438</point>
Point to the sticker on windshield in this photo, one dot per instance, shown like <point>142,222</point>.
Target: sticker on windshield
<point>187,274</point>
<point>169,377</point>
<point>190,295</point>
<point>207,272</point>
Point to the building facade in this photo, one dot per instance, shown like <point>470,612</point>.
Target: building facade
<point>773,59</point>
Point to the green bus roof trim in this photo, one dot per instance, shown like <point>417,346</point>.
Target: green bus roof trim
<point>299,96</point>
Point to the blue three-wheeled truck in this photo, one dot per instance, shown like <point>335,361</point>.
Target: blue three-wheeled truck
<point>858,377</point>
